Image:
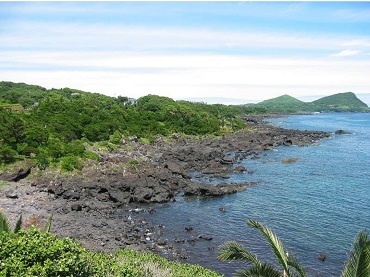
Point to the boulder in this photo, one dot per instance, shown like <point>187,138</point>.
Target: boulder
<point>176,169</point>
<point>12,195</point>
<point>218,190</point>
<point>239,169</point>
<point>76,207</point>
<point>205,237</point>
<point>17,173</point>
<point>227,160</point>
<point>321,257</point>
<point>153,194</point>
<point>213,167</point>
<point>288,142</point>
<point>341,132</point>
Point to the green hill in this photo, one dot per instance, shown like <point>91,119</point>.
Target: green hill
<point>282,100</point>
<point>346,101</point>
<point>284,103</point>
<point>340,102</point>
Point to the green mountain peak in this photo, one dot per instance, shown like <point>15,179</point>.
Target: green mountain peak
<point>283,99</point>
<point>344,99</point>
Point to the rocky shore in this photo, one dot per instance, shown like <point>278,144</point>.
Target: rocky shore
<point>102,205</point>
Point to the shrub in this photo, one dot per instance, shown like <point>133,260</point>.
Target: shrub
<point>42,161</point>
<point>145,140</point>
<point>69,163</point>
<point>35,253</point>
<point>91,156</point>
<point>116,138</point>
<point>38,253</point>
<point>132,163</point>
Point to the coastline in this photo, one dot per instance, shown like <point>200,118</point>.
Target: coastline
<point>102,206</point>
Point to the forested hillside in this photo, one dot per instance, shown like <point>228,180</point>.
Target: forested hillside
<point>56,124</point>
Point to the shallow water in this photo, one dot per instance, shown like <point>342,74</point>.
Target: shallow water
<point>315,205</point>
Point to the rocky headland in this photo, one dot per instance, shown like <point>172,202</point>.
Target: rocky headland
<point>102,205</point>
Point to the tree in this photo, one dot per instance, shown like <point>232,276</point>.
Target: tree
<point>358,264</point>
<point>12,128</point>
<point>289,266</point>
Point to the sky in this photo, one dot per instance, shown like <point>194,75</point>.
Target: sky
<point>229,52</point>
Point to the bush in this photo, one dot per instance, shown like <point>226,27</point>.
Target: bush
<point>42,161</point>
<point>35,253</point>
<point>91,156</point>
<point>116,138</point>
<point>145,140</point>
<point>70,163</point>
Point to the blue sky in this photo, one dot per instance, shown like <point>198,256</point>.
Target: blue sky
<point>246,51</point>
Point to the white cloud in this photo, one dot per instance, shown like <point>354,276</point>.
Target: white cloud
<point>187,76</point>
<point>346,53</point>
<point>135,61</point>
<point>357,43</point>
<point>70,36</point>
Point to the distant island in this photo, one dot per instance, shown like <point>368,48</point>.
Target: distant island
<point>340,102</point>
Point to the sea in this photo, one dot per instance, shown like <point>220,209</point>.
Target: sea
<point>316,205</point>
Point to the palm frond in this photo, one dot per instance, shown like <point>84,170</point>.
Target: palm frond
<point>18,225</point>
<point>262,270</point>
<point>4,223</point>
<point>232,251</point>
<point>359,263</point>
<point>274,243</point>
<point>292,262</point>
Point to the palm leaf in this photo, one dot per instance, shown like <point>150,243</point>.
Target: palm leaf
<point>232,251</point>
<point>262,270</point>
<point>274,243</point>
<point>359,263</point>
<point>18,225</point>
<point>292,262</point>
<point>4,223</point>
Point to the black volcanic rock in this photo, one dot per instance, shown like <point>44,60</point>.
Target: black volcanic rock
<point>341,132</point>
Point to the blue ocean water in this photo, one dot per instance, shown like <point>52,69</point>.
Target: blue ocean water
<point>315,205</point>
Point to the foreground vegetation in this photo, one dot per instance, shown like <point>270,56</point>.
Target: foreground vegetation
<point>34,252</point>
<point>358,264</point>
